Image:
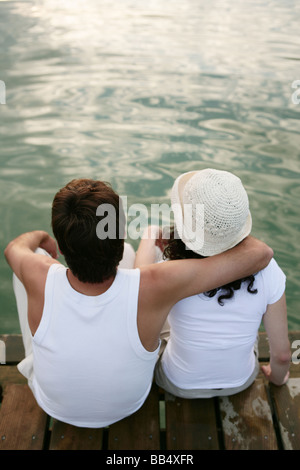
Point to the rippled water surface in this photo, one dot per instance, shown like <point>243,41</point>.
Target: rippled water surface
<point>136,92</point>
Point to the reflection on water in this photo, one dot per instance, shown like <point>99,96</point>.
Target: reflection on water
<point>137,92</point>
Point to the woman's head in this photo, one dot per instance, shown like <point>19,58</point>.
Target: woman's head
<point>217,205</point>
<point>211,211</point>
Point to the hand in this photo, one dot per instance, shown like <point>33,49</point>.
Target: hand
<point>268,374</point>
<point>266,371</point>
<point>146,253</point>
<point>155,233</point>
<point>151,232</point>
<point>161,242</point>
<point>49,244</point>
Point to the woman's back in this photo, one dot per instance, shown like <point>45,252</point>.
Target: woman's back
<point>212,346</point>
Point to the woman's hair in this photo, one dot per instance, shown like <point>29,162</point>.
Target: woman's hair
<point>176,249</point>
<point>74,224</point>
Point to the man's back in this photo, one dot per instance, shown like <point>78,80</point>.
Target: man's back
<point>90,368</point>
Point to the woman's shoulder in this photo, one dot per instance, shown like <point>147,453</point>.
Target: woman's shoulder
<point>272,268</point>
<point>274,281</point>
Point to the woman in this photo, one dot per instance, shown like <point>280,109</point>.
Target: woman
<point>211,349</point>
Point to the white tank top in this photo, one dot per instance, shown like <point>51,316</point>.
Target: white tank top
<point>212,346</point>
<point>90,368</point>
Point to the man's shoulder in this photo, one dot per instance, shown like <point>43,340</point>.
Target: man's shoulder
<point>35,270</point>
<point>38,261</point>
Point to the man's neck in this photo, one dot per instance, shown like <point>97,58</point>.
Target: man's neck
<point>87,288</point>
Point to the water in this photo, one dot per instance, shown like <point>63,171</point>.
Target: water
<point>136,92</point>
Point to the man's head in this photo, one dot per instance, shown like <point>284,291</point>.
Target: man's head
<point>74,223</point>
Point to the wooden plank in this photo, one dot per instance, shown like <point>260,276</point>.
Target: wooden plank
<point>10,375</point>
<point>14,348</point>
<point>22,422</point>
<point>294,371</point>
<point>67,437</point>
<point>246,417</point>
<point>139,431</point>
<point>287,407</point>
<point>263,347</point>
<point>263,344</point>
<point>191,424</point>
<point>247,420</point>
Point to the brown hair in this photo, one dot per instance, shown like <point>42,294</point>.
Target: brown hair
<point>176,249</point>
<point>74,225</point>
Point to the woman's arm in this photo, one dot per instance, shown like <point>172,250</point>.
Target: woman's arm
<point>146,252</point>
<point>276,326</point>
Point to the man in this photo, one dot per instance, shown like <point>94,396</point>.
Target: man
<point>94,327</point>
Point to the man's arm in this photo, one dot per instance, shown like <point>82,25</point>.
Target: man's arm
<point>164,284</point>
<point>184,278</point>
<point>20,255</point>
<point>249,257</point>
<point>32,269</point>
<point>276,326</point>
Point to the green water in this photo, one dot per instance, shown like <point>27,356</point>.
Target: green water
<point>136,92</point>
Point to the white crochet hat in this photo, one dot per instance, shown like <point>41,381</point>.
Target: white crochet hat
<point>211,210</point>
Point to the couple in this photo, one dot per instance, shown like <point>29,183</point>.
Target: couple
<point>92,331</point>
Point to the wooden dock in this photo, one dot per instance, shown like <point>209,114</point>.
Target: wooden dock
<point>264,417</point>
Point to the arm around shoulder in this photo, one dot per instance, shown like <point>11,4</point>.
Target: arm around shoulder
<point>178,279</point>
<point>163,285</point>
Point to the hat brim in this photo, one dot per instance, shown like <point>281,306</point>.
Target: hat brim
<point>177,203</point>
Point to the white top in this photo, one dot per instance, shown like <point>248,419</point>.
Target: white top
<point>90,368</point>
<point>212,346</point>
